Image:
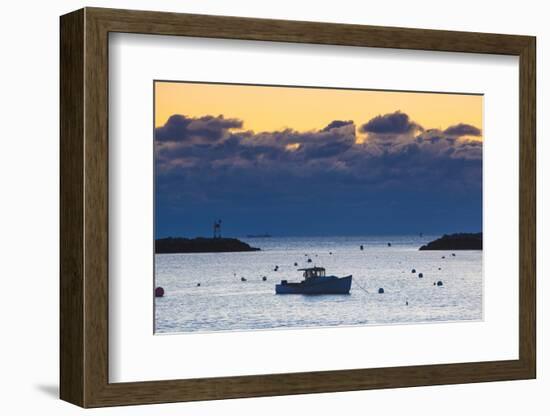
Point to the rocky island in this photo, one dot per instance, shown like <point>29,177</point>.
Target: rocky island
<point>460,241</point>
<point>201,245</point>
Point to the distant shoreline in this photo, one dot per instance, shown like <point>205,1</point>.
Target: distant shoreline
<point>175,245</point>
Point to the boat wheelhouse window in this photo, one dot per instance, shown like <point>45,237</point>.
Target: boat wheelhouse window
<point>308,273</point>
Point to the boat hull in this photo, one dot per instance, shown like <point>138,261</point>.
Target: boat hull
<point>318,286</point>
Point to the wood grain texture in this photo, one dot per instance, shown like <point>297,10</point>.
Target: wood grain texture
<point>71,185</point>
<point>96,208</point>
<point>84,207</point>
<point>527,208</point>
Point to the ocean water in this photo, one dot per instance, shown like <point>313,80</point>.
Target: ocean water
<point>224,303</point>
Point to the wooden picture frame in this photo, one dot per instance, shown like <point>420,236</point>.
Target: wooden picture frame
<point>84,207</point>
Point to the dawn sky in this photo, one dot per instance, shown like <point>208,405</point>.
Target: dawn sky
<point>306,161</point>
<point>273,108</point>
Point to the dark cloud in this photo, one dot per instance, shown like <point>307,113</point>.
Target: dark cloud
<point>439,144</point>
<point>394,123</point>
<point>462,130</point>
<point>180,128</point>
<point>337,124</point>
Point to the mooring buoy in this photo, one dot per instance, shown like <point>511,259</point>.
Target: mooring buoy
<point>381,290</point>
<point>159,292</point>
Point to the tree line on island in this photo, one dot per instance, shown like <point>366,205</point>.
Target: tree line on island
<point>201,245</point>
<point>459,241</point>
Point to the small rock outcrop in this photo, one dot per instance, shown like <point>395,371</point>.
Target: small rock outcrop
<point>461,241</point>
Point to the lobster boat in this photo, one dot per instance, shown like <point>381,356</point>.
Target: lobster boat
<point>315,282</point>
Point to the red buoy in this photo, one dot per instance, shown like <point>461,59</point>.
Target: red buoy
<point>159,292</point>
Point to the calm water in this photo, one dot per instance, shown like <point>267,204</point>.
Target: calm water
<point>223,302</point>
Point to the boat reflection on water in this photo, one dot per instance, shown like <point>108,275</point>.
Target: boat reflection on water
<point>315,282</point>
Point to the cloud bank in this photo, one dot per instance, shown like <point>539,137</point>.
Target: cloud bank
<point>210,163</point>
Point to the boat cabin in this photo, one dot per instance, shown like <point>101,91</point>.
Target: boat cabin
<point>312,272</point>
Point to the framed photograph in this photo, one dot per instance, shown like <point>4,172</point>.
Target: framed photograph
<point>257,207</point>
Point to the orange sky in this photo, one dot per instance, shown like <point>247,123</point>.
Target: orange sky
<point>274,108</point>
